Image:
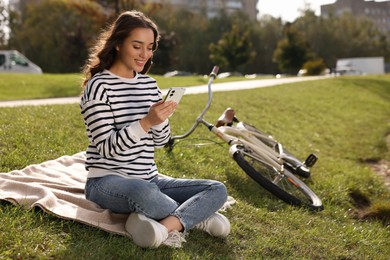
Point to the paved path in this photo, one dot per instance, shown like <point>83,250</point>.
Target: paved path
<point>217,87</point>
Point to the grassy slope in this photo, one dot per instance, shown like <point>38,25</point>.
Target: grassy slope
<point>27,86</point>
<point>343,120</point>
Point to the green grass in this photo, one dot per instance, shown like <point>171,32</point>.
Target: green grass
<point>27,86</point>
<point>343,120</point>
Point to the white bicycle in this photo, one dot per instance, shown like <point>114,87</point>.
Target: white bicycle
<point>261,156</point>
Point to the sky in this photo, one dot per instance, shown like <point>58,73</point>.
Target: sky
<point>288,10</point>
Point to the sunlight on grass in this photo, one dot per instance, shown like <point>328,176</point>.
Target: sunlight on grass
<point>343,120</point>
<point>30,86</point>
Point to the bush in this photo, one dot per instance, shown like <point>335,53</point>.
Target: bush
<point>314,67</point>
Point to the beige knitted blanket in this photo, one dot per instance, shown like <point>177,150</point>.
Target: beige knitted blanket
<point>57,187</point>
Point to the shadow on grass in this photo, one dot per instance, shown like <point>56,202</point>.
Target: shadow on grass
<point>374,86</point>
<point>365,209</point>
<point>252,193</point>
<point>57,238</point>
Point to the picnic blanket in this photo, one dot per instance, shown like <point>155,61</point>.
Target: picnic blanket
<point>57,187</point>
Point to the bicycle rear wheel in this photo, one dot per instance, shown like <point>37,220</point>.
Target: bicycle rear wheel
<point>286,186</point>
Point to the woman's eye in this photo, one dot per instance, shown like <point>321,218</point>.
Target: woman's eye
<point>137,47</point>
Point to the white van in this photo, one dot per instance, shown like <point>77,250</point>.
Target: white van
<point>12,61</point>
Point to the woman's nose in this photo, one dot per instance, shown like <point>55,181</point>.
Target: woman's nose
<point>143,52</point>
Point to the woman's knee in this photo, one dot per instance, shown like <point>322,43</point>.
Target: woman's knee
<point>120,194</point>
<point>220,190</point>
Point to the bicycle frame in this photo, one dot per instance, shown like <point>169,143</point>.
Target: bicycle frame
<point>249,140</point>
<point>238,135</point>
<point>200,119</point>
<point>246,140</point>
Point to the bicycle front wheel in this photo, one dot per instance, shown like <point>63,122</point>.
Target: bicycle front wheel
<point>286,186</point>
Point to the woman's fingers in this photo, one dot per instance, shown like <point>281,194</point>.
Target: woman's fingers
<point>167,108</point>
<point>160,111</point>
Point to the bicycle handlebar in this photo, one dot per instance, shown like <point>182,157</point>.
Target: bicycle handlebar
<point>214,72</point>
<point>199,119</point>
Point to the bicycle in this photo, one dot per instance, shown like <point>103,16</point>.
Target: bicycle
<point>261,156</point>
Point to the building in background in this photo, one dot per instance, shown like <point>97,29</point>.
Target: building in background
<point>210,7</point>
<point>377,12</point>
<point>14,4</point>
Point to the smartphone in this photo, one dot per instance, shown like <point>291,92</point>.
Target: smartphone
<point>175,94</point>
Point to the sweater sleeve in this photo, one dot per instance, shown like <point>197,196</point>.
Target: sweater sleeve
<point>108,140</point>
<point>161,133</point>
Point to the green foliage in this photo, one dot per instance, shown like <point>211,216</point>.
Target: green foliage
<point>342,37</point>
<point>292,51</point>
<point>314,67</point>
<point>183,42</point>
<point>4,20</point>
<point>56,34</point>
<point>232,50</point>
<point>58,41</point>
<point>265,35</point>
<point>343,120</point>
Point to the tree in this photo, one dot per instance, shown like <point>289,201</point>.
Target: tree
<point>191,52</point>
<point>292,51</point>
<point>184,40</point>
<point>163,59</point>
<point>232,50</point>
<point>4,23</point>
<point>265,35</point>
<point>56,34</point>
<point>342,37</point>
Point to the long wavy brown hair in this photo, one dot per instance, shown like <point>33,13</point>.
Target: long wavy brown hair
<point>102,55</point>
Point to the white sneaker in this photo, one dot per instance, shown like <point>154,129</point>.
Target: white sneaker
<point>175,238</point>
<point>144,231</point>
<point>216,225</point>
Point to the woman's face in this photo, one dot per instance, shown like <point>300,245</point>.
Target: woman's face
<point>135,50</point>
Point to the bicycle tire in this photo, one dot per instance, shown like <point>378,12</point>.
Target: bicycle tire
<point>288,188</point>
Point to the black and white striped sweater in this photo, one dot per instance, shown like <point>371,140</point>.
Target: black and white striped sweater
<point>112,108</point>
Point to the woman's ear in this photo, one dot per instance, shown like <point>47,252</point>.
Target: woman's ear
<point>117,48</point>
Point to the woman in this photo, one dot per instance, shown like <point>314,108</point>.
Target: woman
<point>125,120</point>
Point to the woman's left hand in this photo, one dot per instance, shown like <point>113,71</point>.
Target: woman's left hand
<point>158,113</point>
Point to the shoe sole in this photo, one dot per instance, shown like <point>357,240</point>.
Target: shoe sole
<point>141,230</point>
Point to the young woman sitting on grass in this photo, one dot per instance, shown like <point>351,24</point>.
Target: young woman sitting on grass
<point>126,120</point>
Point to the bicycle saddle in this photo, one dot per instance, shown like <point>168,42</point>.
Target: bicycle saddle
<point>226,118</point>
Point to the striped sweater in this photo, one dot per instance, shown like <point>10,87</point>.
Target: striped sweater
<point>112,108</point>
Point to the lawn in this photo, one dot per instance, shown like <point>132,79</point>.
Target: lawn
<point>344,120</point>
<point>27,86</point>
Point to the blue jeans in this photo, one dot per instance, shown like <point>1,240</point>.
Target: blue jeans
<point>190,200</point>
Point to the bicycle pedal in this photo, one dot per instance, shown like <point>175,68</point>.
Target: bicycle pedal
<point>311,160</point>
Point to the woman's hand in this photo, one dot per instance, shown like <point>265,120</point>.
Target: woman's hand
<point>157,114</point>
